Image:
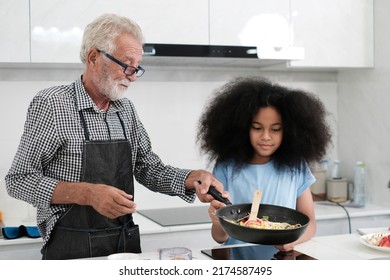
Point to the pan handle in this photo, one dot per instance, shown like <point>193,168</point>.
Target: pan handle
<point>218,196</point>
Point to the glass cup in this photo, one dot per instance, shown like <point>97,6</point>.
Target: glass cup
<point>175,253</point>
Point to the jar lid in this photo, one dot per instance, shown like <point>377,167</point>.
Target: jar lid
<point>338,180</point>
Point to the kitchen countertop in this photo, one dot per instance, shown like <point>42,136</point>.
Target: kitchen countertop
<point>334,247</point>
<point>340,247</point>
<point>323,212</point>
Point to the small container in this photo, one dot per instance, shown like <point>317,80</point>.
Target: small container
<point>1,224</point>
<point>318,189</point>
<point>320,172</point>
<point>336,170</point>
<point>337,190</point>
<point>175,253</point>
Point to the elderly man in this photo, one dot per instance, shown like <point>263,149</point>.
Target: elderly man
<point>82,145</point>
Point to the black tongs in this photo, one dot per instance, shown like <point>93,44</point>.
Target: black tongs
<point>218,196</point>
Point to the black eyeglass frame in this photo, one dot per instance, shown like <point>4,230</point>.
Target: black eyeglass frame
<point>139,71</point>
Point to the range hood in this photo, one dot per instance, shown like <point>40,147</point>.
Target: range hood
<point>218,55</point>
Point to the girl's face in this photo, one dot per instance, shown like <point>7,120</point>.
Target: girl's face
<point>265,134</point>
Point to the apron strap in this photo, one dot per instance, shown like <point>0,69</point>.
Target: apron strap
<point>86,133</point>
<point>122,124</point>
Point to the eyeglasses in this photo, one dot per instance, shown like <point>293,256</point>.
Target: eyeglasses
<point>127,69</point>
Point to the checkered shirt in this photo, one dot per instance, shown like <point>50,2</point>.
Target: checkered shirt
<point>51,149</point>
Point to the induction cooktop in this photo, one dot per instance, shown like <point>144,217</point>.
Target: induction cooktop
<point>178,216</point>
<point>254,252</point>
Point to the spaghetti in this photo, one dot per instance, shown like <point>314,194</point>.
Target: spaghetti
<point>264,223</point>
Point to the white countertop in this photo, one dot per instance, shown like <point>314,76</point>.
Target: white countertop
<point>334,247</point>
<point>340,247</point>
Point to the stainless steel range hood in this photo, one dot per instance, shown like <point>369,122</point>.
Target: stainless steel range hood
<point>218,55</point>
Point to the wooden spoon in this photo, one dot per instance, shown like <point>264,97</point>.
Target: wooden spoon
<point>255,207</point>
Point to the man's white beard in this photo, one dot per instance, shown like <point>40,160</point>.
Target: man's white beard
<point>114,91</point>
<point>111,88</point>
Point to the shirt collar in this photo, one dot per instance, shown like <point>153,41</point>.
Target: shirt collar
<point>84,101</point>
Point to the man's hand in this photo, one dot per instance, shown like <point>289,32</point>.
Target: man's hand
<point>107,200</point>
<point>200,181</point>
<point>111,202</point>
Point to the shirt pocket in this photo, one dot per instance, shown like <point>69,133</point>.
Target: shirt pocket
<point>68,161</point>
<point>72,148</point>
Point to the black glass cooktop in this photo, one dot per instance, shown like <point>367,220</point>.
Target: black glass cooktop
<point>178,216</point>
<point>254,252</point>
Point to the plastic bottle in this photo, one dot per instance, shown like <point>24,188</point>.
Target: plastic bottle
<point>359,182</point>
<point>1,224</point>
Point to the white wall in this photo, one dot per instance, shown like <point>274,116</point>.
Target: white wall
<point>364,114</point>
<point>169,102</point>
<point>170,111</point>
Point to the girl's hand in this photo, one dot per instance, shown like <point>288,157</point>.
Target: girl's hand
<point>217,232</point>
<point>214,206</point>
<point>285,247</point>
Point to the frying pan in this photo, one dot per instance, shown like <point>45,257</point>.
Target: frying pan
<point>230,214</point>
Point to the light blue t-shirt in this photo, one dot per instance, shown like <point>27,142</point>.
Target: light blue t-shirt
<point>278,187</point>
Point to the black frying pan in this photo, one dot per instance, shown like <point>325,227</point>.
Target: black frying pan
<point>230,214</point>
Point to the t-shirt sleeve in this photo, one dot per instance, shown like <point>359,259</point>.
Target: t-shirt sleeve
<point>308,179</point>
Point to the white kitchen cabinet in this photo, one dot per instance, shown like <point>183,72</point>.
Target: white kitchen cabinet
<point>21,249</point>
<point>341,226</point>
<point>57,26</point>
<point>334,33</point>
<point>14,31</point>
<point>250,22</point>
<point>333,220</point>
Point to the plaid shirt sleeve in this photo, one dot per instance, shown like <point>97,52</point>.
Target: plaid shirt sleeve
<point>37,146</point>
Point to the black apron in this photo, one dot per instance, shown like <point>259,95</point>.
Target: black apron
<point>81,232</point>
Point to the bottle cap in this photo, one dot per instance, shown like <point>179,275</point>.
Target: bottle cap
<point>360,163</point>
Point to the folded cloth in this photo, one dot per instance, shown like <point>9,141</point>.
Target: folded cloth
<point>16,232</point>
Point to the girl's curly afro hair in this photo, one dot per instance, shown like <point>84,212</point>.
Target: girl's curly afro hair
<point>223,130</point>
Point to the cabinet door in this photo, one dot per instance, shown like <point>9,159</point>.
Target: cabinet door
<point>14,31</point>
<point>57,26</point>
<point>250,22</point>
<point>334,33</point>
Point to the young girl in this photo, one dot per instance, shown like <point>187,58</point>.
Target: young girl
<point>263,136</point>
